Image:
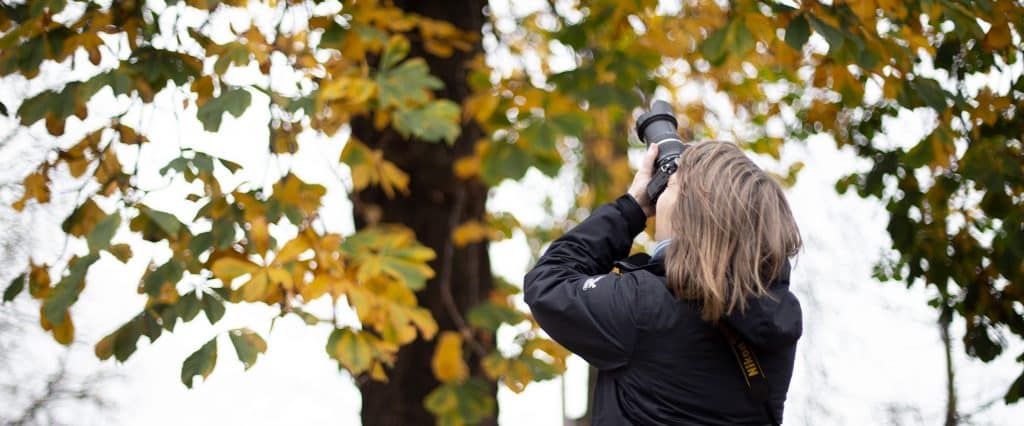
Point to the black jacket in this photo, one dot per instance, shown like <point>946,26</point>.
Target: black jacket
<point>659,363</point>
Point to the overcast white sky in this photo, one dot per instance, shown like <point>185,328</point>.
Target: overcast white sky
<point>870,354</point>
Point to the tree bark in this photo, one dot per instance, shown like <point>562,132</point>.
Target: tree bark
<point>437,202</point>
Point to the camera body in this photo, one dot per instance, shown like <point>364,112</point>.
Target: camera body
<point>659,126</point>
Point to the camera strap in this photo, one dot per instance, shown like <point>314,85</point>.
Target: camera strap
<point>750,369</point>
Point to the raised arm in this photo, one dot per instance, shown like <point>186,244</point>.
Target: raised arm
<point>576,299</point>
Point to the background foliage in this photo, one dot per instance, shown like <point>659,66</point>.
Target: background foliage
<point>761,73</point>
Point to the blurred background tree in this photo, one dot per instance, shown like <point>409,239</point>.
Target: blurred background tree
<point>430,124</point>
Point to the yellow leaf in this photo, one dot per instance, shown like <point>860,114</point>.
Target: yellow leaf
<point>84,218</point>
<point>377,372</point>
<point>397,328</point>
<point>259,234</point>
<point>370,168</point>
<point>129,136</point>
<point>63,333</point>
<point>36,187</point>
<point>760,25</point>
<point>470,232</point>
<point>425,321</point>
<point>292,190</point>
<point>553,349</point>
<point>280,277</point>
<point>168,294</point>
<point>479,106</point>
<point>39,281</point>
<point>369,267</point>
<point>316,288</point>
<point>291,250</point>
<point>352,90</point>
<point>494,365</point>
<point>864,9</point>
<point>891,88</point>
<point>105,347</point>
<point>519,373</point>
<point>893,8</point>
<point>229,268</point>
<point>998,36</point>
<point>447,364</point>
<point>466,167</point>
<point>121,251</point>
<point>256,288</point>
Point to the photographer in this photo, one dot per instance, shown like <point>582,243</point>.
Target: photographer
<point>704,331</point>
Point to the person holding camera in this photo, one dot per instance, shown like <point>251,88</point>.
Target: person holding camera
<point>702,332</point>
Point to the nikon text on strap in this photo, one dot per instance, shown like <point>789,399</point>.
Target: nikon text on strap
<point>751,370</point>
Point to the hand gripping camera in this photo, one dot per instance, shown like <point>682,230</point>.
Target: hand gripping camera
<point>658,126</point>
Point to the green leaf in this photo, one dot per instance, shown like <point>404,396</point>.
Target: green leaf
<point>187,306</point>
<point>200,243</point>
<point>66,292</point>
<point>798,32</point>
<point>234,53</point>
<point>212,307</point>
<point>541,135</point>
<point>168,318</point>
<point>832,35</point>
<point>733,39</point>
<point>464,403</point>
<point>393,251</point>
<point>155,225</point>
<point>43,104</point>
<point>248,345</point>
<point>307,317</point>
<point>980,344</point>
<point>168,273</point>
<point>122,342</point>
<point>15,287</point>
<point>52,6</point>
<point>100,236</point>
<point>412,273</point>
<point>234,101</point>
<point>200,363</point>
<point>441,400</point>
<point>407,85</point>
<point>120,83</point>
<point>396,50</point>
<point>713,48</point>
<point>931,93</point>
<point>431,122</point>
<point>504,160</point>
<point>1016,390</point>
<point>489,316</point>
<point>160,66</point>
<point>351,348</point>
<point>3,109</point>
<point>333,36</point>
<point>179,165</point>
<point>223,232</point>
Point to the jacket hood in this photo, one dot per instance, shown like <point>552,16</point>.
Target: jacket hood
<point>769,322</point>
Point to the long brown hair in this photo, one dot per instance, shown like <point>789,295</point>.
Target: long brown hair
<point>732,229</point>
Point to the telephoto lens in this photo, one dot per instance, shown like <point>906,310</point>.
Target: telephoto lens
<point>659,126</point>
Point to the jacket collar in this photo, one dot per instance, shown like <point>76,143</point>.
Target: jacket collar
<point>642,261</point>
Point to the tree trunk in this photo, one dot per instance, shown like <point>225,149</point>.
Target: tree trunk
<point>436,203</point>
<point>952,416</point>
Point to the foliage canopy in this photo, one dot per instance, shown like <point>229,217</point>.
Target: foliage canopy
<point>786,70</point>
